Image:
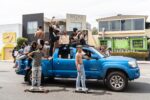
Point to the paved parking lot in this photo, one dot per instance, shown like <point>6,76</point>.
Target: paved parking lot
<point>12,88</point>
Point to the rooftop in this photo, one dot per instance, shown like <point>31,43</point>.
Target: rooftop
<point>120,16</point>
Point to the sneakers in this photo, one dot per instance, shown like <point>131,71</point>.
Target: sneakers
<point>78,89</point>
<point>32,88</point>
<point>84,89</point>
<point>40,88</point>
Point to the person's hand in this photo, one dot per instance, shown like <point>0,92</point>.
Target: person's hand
<point>88,57</point>
<point>50,58</point>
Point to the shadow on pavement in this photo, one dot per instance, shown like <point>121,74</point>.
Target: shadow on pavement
<point>93,86</point>
<point>59,90</point>
<point>138,87</point>
<point>4,71</point>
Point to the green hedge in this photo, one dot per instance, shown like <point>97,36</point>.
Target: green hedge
<point>137,55</point>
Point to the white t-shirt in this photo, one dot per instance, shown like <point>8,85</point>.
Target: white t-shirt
<point>26,49</point>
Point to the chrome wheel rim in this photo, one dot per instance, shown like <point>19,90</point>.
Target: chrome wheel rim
<point>117,81</point>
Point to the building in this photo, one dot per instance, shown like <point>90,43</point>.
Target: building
<point>32,21</point>
<point>124,32</point>
<point>8,35</point>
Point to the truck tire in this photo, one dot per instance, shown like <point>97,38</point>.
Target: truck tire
<point>117,81</point>
<point>29,78</point>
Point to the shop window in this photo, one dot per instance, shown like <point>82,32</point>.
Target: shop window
<point>137,43</point>
<point>32,27</point>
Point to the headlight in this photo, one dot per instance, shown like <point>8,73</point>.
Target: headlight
<point>132,63</point>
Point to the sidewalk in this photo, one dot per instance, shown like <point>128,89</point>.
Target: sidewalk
<point>143,62</point>
<point>6,61</point>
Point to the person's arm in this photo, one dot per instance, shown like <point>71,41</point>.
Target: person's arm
<point>26,51</point>
<point>35,34</point>
<point>78,63</point>
<point>30,55</point>
<point>85,56</point>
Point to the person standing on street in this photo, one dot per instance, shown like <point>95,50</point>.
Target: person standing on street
<point>36,56</point>
<point>80,70</point>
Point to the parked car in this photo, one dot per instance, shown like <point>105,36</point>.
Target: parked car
<point>115,71</point>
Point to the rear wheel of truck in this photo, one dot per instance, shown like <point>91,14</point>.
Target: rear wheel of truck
<point>117,81</point>
<point>29,78</point>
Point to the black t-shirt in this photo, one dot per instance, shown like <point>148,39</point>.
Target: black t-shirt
<point>64,51</point>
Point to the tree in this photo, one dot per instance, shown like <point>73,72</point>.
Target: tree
<point>94,31</point>
<point>20,42</point>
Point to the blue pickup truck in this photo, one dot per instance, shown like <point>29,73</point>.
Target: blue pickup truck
<point>115,71</point>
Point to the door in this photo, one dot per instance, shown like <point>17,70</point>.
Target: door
<point>65,67</point>
<point>92,66</point>
<point>8,53</point>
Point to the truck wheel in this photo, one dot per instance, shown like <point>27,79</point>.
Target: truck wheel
<point>29,78</point>
<point>117,81</point>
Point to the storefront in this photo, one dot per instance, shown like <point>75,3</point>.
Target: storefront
<point>125,44</point>
<point>8,36</point>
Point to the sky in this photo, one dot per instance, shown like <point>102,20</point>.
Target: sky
<point>11,11</point>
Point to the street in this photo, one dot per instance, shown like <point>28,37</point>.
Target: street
<point>12,87</point>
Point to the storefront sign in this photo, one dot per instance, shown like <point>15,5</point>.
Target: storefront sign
<point>9,37</point>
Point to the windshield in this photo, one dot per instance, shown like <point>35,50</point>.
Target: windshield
<point>98,53</point>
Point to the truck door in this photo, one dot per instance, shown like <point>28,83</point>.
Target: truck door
<point>64,66</point>
<point>92,66</point>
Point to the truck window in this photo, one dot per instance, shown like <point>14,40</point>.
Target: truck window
<point>66,53</point>
<point>87,52</point>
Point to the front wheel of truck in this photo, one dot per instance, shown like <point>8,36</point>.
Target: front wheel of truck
<point>117,81</point>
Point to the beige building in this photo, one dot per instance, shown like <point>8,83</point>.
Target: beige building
<point>75,21</point>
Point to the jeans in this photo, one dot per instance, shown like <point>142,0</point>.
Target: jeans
<point>81,77</point>
<point>36,76</point>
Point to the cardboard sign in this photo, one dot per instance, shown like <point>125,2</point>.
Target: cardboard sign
<point>64,39</point>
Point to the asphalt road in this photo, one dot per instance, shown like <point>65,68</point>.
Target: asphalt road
<point>12,87</point>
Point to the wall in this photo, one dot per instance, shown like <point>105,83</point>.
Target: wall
<point>147,33</point>
<point>10,30</point>
<point>17,28</point>
<point>39,17</point>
